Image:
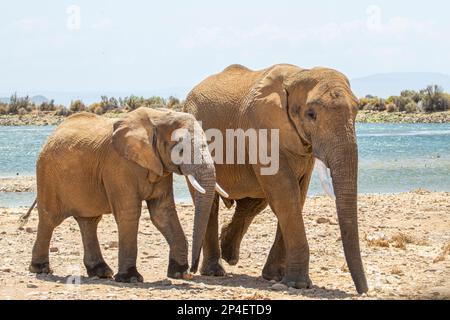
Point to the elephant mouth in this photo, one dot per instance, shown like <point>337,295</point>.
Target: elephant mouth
<point>178,170</point>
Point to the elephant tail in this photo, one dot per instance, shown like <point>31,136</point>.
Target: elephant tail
<point>24,218</point>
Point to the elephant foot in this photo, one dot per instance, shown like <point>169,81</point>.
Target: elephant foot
<point>131,276</point>
<point>230,252</point>
<point>299,282</point>
<point>101,270</point>
<point>178,271</point>
<point>272,272</point>
<point>212,269</point>
<point>40,268</point>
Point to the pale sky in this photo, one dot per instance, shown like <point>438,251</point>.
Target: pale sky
<point>147,45</point>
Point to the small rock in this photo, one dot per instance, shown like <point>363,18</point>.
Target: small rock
<point>279,287</point>
<point>5,270</point>
<point>440,291</point>
<point>54,249</point>
<point>112,245</point>
<point>29,230</point>
<point>31,286</point>
<point>166,282</point>
<point>322,220</point>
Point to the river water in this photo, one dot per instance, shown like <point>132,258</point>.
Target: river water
<point>392,158</point>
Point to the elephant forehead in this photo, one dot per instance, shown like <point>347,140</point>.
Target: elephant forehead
<point>331,95</point>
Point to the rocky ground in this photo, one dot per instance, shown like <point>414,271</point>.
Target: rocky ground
<point>22,184</point>
<point>402,117</point>
<point>364,116</point>
<point>33,119</point>
<point>405,243</point>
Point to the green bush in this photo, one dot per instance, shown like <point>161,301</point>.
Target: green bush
<point>4,109</point>
<point>132,103</point>
<point>47,106</point>
<point>375,104</point>
<point>22,111</point>
<point>411,94</point>
<point>411,107</point>
<point>16,103</point>
<point>61,111</point>
<point>434,99</point>
<point>99,110</point>
<point>391,107</point>
<point>77,106</point>
<point>401,102</point>
<point>109,104</point>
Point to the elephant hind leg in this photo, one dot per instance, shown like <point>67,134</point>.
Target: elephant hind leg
<point>93,259</point>
<point>233,233</point>
<point>40,255</point>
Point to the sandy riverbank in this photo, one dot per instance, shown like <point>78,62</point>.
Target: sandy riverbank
<point>363,117</point>
<point>405,245</point>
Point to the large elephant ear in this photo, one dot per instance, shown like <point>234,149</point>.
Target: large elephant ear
<point>134,138</point>
<point>268,102</point>
<point>270,91</point>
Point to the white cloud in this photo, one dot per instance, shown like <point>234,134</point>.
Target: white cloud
<point>29,24</point>
<point>228,37</point>
<point>102,24</point>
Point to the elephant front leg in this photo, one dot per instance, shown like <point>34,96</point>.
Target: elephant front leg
<point>93,259</point>
<point>283,196</point>
<point>164,217</point>
<point>128,225</point>
<point>275,266</point>
<point>211,265</point>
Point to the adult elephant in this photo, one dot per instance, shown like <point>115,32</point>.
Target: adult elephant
<point>92,166</point>
<point>314,111</point>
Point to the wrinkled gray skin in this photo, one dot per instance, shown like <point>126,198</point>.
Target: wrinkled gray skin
<point>314,111</point>
<point>92,166</point>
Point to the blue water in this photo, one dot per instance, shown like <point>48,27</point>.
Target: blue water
<point>392,158</point>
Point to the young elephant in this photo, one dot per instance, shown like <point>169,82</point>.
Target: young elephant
<point>92,166</point>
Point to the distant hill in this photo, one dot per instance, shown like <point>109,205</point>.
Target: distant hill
<point>38,99</point>
<point>388,84</point>
<point>382,85</point>
<point>89,97</point>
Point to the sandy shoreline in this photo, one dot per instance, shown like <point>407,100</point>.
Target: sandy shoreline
<point>405,247</point>
<point>18,184</point>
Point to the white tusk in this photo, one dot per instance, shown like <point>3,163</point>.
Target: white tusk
<point>325,179</point>
<point>195,184</point>
<point>221,191</point>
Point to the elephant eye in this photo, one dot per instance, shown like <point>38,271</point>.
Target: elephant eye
<point>311,114</point>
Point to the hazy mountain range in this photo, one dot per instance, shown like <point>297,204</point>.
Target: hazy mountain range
<point>382,85</point>
<point>37,99</point>
<point>388,84</point>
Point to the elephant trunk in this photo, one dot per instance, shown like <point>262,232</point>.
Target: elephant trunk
<point>344,172</point>
<point>203,203</point>
<point>202,173</point>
